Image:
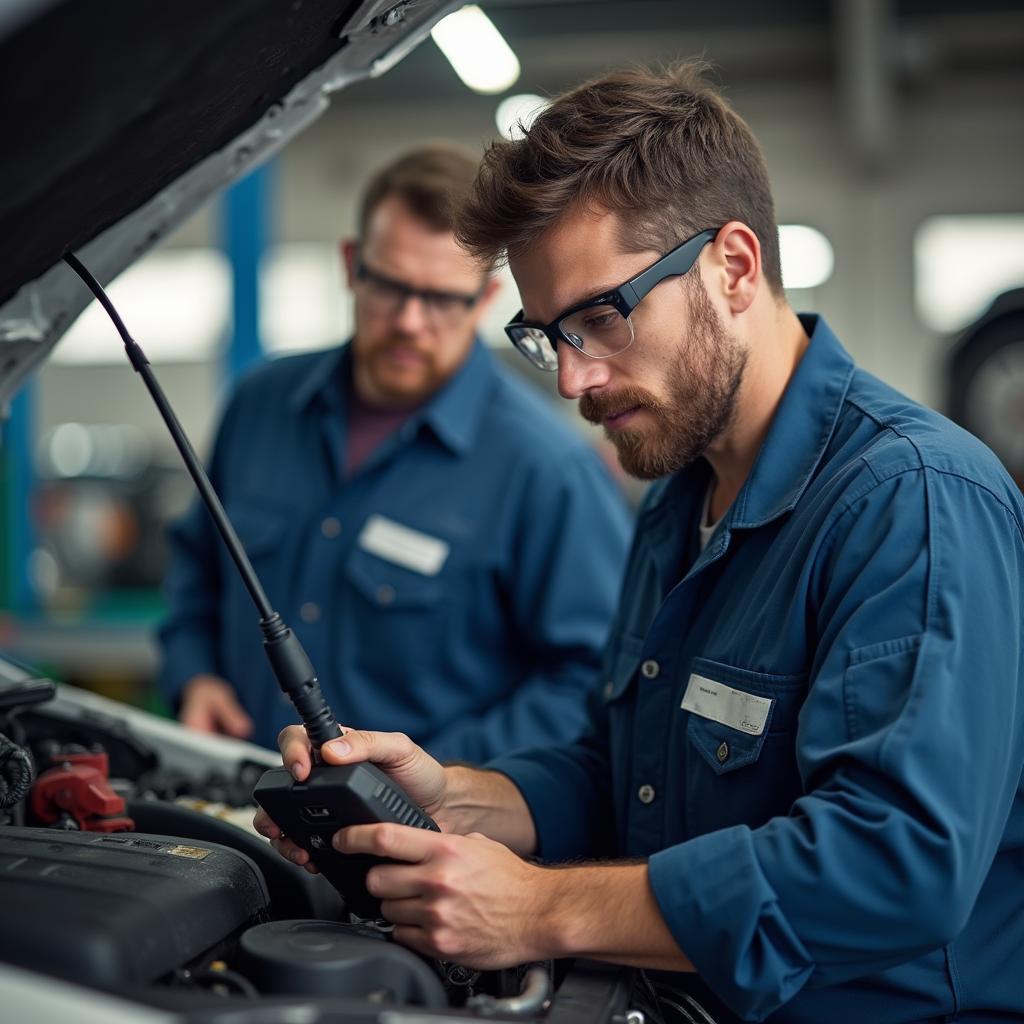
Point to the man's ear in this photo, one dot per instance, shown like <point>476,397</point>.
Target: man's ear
<point>348,248</point>
<point>736,253</point>
<point>487,296</point>
<point>491,290</point>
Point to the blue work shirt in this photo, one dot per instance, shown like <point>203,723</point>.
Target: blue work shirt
<point>491,650</point>
<point>838,835</point>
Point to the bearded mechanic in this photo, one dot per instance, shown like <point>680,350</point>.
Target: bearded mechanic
<point>808,739</point>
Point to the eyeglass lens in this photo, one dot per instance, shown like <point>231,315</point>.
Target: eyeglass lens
<point>388,298</point>
<point>598,331</point>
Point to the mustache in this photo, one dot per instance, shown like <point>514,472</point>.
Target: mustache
<point>400,342</point>
<point>595,408</point>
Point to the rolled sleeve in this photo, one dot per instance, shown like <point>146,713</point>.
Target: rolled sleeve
<point>717,901</point>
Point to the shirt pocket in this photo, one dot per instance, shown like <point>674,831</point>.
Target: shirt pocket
<point>876,684</point>
<point>390,587</point>
<point>736,777</point>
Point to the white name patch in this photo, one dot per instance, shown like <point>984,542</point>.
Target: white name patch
<point>403,546</point>
<point>734,708</point>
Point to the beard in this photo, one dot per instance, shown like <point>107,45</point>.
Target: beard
<point>391,386</point>
<point>702,387</point>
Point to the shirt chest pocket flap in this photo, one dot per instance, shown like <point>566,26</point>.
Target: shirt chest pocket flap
<point>732,712</point>
<point>389,586</point>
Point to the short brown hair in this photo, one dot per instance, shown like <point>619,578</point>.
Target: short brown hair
<point>432,179</point>
<point>663,148</point>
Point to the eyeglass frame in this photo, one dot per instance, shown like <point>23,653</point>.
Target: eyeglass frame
<point>625,298</point>
<point>407,291</point>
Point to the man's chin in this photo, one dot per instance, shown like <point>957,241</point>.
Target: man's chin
<point>644,459</point>
<point>404,386</point>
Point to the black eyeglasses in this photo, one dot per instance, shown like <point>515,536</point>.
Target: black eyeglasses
<point>387,296</point>
<point>601,327</point>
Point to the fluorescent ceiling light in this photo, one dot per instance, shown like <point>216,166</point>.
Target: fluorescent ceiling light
<point>176,304</point>
<point>807,256</point>
<point>476,50</point>
<point>961,263</point>
<point>515,114</point>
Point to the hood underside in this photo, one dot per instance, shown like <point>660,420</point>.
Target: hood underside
<point>119,119</point>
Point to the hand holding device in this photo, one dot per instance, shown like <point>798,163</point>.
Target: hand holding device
<point>309,800</point>
<point>410,766</point>
<point>407,765</point>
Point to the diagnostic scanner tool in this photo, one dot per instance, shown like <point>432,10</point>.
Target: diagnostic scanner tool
<point>333,796</point>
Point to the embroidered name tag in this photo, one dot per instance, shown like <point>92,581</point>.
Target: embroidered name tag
<point>403,546</point>
<point>734,708</point>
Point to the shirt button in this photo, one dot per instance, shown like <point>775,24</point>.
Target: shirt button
<point>309,612</point>
<point>645,793</point>
<point>609,689</point>
<point>385,593</point>
<point>650,669</point>
<point>722,753</point>
<point>330,527</point>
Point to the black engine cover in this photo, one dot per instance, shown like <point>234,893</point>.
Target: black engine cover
<point>120,910</point>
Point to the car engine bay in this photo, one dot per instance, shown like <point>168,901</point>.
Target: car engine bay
<point>127,870</point>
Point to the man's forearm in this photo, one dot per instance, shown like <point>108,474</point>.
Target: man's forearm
<point>606,912</point>
<point>477,800</point>
<point>603,911</point>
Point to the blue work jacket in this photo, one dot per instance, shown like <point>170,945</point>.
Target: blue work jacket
<point>492,649</point>
<point>814,729</point>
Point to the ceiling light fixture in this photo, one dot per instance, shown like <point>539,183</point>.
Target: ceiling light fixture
<point>807,256</point>
<point>476,50</point>
<point>516,113</point>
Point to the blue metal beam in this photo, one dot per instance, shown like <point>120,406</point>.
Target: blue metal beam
<point>18,434</point>
<point>246,224</point>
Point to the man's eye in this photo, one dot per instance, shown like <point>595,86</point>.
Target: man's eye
<point>385,289</point>
<point>601,321</point>
<point>445,303</point>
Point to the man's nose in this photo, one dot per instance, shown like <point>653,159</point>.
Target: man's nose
<point>577,373</point>
<point>412,315</point>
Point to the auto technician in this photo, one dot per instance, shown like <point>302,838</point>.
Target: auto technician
<point>801,785</point>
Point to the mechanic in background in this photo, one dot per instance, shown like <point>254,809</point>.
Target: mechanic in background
<point>807,755</point>
<point>447,549</point>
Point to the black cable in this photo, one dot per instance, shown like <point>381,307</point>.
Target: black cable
<point>654,1003</point>
<point>16,773</point>
<point>695,1011</point>
<point>684,1014</point>
<point>288,660</point>
<point>141,365</point>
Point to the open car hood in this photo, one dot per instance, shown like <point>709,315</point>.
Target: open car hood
<point>119,119</point>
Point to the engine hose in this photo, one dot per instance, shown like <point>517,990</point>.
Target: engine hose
<point>16,773</point>
<point>530,1001</point>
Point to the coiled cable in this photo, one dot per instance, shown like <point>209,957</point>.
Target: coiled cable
<point>16,773</point>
